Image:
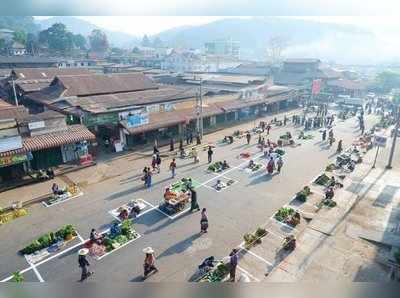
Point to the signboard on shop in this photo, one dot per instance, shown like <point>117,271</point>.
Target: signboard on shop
<point>36,125</point>
<point>135,118</point>
<point>380,141</point>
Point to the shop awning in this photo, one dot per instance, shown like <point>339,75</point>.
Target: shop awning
<point>74,134</point>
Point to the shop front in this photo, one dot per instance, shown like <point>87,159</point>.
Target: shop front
<point>12,167</point>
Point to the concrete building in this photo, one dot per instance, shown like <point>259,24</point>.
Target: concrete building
<point>223,48</point>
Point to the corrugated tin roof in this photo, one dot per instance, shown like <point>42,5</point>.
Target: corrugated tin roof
<point>95,84</point>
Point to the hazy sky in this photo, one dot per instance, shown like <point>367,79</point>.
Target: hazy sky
<point>139,25</point>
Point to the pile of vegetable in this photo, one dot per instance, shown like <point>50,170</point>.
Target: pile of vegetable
<point>64,234</point>
<point>119,237</point>
<point>302,195</point>
<point>252,239</point>
<point>256,167</point>
<point>329,203</point>
<point>281,152</point>
<point>245,155</point>
<point>215,167</point>
<point>323,180</point>
<point>330,167</point>
<point>284,213</point>
<point>216,275</point>
<point>7,216</point>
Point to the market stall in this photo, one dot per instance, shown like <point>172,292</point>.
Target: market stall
<point>70,192</point>
<point>285,140</point>
<point>177,196</point>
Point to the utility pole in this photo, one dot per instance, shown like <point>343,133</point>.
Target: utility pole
<point>389,165</point>
<point>201,110</point>
<point>15,93</point>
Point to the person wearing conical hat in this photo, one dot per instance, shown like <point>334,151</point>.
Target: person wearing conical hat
<point>149,261</point>
<point>84,263</point>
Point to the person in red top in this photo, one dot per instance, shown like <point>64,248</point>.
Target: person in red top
<point>149,262</point>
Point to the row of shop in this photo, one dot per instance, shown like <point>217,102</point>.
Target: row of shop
<point>46,151</point>
<point>179,124</point>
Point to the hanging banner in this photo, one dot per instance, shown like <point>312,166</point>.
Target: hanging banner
<point>135,118</point>
<point>316,86</point>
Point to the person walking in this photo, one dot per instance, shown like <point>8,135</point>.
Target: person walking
<point>339,147</point>
<point>172,167</point>
<point>84,263</point>
<point>268,128</point>
<point>270,166</point>
<point>148,179</point>
<point>279,164</point>
<point>203,221</point>
<point>154,162</point>
<point>233,262</point>
<point>324,135</point>
<point>158,162</point>
<point>180,144</point>
<point>155,150</point>
<point>190,138</point>
<point>171,145</point>
<point>149,262</point>
<point>193,203</point>
<point>210,154</point>
<point>194,155</point>
<point>248,138</point>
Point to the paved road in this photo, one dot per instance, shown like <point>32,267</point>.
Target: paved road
<point>179,247</point>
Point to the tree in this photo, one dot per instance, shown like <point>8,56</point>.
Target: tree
<point>20,36</point>
<point>32,44</point>
<point>98,41</point>
<point>57,38</point>
<point>3,46</point>
<point>157,43</point>
<point>79,41</point>
<point>275,47</point>
<point>146,41</point>
<point>136,50</point>
<point>387,80</point>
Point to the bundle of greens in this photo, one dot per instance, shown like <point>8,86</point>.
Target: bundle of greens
<point>283,213</point>
<point>46,240</point>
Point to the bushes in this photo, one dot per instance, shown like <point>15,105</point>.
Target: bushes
<point>49,239</point>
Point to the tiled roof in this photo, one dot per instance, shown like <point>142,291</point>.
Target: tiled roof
<point>74,133</point>
<point>96,84</point>
<point>348,84</point>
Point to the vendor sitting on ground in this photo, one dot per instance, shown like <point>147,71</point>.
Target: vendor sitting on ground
<point>225,165</point>
<point>56,190</point>
<point>251,163</point>
<point>225,140</point>
<point>230,139</point>
<point>219,185</point>
<point>96,237</point>
<point>168,194</point>
<point>124,214</point>
<point>329,194</point>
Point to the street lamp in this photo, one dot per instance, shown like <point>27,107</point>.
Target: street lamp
<point>389,165</point>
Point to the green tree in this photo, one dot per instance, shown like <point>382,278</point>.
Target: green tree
<point>387,80</point>
<point>32,43</point>
<point>57,38</point>
<point>157,43</point>
<point>98,41</point>
<point>20,36</point>
<point>146,41</point>
<point>136,50</point>
<point>79,41</point>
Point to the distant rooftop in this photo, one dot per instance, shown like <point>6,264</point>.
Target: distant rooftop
<point>302,60</point>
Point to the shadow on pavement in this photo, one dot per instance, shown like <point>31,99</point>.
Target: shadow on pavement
<point>161,226</point>
<point>179,247</point>
<point>262,178</point>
